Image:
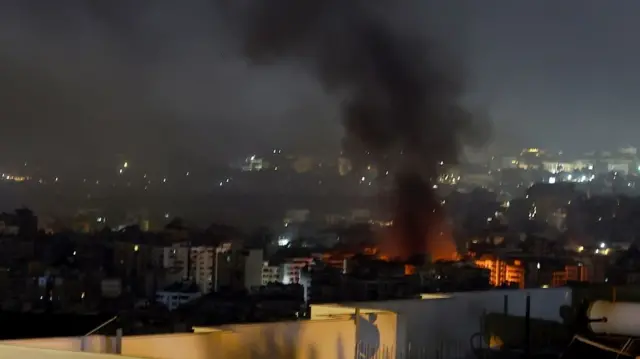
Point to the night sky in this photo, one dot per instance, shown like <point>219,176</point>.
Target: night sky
<point>561,74</point>
<point>163,81</point>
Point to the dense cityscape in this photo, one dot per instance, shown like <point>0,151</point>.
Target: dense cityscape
<point>530,220</point>
<point>329,179</point>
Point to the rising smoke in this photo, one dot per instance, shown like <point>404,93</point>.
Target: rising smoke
<point>85,84</point>
<point>400,95</point>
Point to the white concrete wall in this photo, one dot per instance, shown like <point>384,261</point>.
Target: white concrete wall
<point>173,346</point>
<point>164,346</point>
<point>377,331</point>
<point>323,339</point>
<point>425,324</point>
<point>310,339</point>
<point>326,339</point>
<point>19,352</point>
<point>92,344</point>
<point>441,322</point>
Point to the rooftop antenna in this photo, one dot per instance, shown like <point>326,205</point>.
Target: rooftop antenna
<point>118,342</point>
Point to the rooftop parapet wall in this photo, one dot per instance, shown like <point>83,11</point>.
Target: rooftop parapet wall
<point>451,319</point>
<point>14,351</point>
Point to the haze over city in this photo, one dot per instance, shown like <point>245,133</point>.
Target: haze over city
<point>163,83</point>
<point>167,166</point>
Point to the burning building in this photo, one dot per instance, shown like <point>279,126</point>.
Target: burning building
<point>400,98</point>
<point>420,227</point>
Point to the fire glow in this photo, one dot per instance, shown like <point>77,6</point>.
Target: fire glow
<point>419,227</point>
<point>400,101</point>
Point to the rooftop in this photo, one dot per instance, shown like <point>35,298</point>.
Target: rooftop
<point>383,329</point>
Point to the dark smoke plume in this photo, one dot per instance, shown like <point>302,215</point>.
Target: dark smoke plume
<point>401,98</point>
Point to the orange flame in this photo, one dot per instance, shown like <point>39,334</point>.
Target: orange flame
<point>438,244</point>
<point>409,269</point>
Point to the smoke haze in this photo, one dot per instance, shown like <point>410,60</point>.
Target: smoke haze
<point>156,82</point>
<point>400,95</point>
<point>84,84</point>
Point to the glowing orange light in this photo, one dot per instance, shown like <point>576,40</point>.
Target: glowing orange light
<point>409,269</point>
